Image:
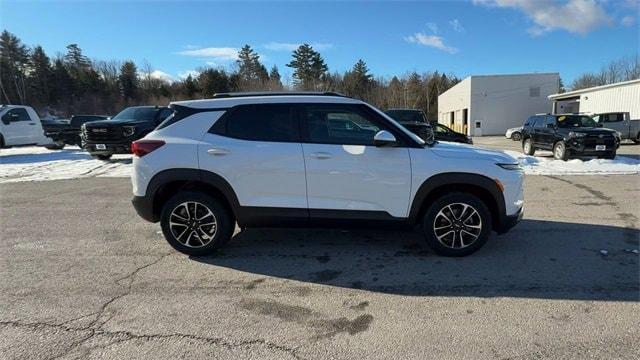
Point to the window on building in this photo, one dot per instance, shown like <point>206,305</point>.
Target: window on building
<point>534,91</point>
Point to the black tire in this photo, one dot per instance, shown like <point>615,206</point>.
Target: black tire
<point>516,136</point>
<point>1,141</point>
<point>637,139</point>
<point>102,157</point>
<point>440,240</point>
<point>196,244</point>
<point>527,147</point>
<point>560,151</point>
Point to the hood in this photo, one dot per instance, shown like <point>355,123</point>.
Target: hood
<point>463,151</point>
<point>115,122</point>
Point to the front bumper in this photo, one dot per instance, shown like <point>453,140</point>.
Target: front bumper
<point>510,221</point>
<point>110,148</point>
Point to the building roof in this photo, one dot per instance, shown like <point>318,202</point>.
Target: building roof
<point>505,75</point>
<point>592,89</point>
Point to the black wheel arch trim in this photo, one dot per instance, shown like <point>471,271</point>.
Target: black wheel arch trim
<point>461,179</point>
<point>147,210</point>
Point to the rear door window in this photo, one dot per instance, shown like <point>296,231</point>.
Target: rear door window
<point>262,122</point>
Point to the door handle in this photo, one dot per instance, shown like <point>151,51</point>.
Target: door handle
<point>217,151</point>
<point>321,155</point>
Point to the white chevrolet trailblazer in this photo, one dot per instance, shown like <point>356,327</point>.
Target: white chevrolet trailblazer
<point>315,159</point>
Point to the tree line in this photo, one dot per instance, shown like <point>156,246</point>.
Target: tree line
<point>624,69</point>
<point>71,83</point>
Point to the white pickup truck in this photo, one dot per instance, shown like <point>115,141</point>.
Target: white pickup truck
<point>622,123</point>
<point>20,125</point>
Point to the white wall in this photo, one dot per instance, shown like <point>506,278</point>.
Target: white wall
<point>625,98</point>
<point>504,101</point>
<point>455,99</point>
<point>499,102</point>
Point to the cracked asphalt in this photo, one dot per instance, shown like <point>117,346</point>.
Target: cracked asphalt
<point>82,277</point>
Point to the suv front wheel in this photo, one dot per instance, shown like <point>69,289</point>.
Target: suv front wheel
<point>527,147</point>
<point>560,151</point>
<point>457,224</point>
<point>195,223</point>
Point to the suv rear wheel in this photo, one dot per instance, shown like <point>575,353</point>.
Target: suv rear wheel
<point>195,223</point>
<point>457,224</point>
<point>527,147</point>
<point>560,151</point>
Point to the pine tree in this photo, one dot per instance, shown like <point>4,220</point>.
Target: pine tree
<point>128,80</point>
<point>14,60</point>
<point>357,82</point>
<point>309,67</point>
<point>40,76</point>
<point>213,81</point>
<point>275,82</point>
<point>75,59</point>
<point>190,87</point>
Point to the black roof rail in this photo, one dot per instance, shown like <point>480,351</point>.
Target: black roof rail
<point>276,93</point>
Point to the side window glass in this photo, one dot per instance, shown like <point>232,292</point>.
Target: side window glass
<point>268,122</point>
<point>613,117</point>
<point>339,124</point>
<point>15,115</point>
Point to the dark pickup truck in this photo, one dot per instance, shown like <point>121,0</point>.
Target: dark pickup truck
<point>67,132</point>
<point>104,138</point>
<point>415,121</point>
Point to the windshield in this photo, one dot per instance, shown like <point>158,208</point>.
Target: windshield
<point>137,113</point>
<point>571,121</point>
<point>406,115</point>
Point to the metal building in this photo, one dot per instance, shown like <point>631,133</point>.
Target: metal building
<point>490,104</point>
<point>619,97</point>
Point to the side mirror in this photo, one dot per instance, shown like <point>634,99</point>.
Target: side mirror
<point>384,138</point>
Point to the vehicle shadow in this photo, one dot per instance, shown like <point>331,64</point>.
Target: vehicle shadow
<point>537,259</point>
<point>57,155</point>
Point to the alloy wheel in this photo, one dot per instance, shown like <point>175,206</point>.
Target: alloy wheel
<point>193,224</point>
<point>457,225</point>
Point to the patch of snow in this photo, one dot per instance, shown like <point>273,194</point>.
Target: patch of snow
<point>538,165</point>
<point>38,164</point>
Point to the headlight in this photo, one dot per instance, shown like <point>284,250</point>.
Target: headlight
<point>516,167</point>
<point>128,130</point>
<point>573,134</point>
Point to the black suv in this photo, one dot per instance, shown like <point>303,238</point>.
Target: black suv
<point>415,121</point>
<point>567,135</point>
<point>114,136</point>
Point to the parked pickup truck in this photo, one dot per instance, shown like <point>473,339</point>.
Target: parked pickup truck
<point>622,123</point>
<point>104,138</point>
<point>20,125</point>
<point>67,132</point>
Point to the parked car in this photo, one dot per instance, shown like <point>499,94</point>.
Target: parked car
<point>21,126</point>
<point>514,134</point>
<point>568,135</point>
<point>67,132</point>
<point>622,123</point>
<point>444,133</point>
<point>270,159</point>
<point>104,138</point>
<point>415,121</point>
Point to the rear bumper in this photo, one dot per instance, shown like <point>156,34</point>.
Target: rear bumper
<point>509,221</point>
<point>144,208</point>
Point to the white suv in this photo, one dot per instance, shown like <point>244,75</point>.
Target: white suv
<point>314,159</point>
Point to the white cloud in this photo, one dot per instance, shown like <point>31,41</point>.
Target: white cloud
<point>157,74</point>
<point>433,27</point>
<point>456,25</point>
<point>215,53</point>
<point>185,74</point>
<point>575,16</point>
<point>628,20</point>
<point>282,46</point>
<point>431,41</point>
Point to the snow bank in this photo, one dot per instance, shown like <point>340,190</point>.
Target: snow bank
<point>547,165</point>
<point>39,164</point>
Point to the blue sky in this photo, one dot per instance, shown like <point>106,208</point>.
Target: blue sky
<point>459,37</point>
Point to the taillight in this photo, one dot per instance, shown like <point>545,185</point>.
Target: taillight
<point>141,148</point>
